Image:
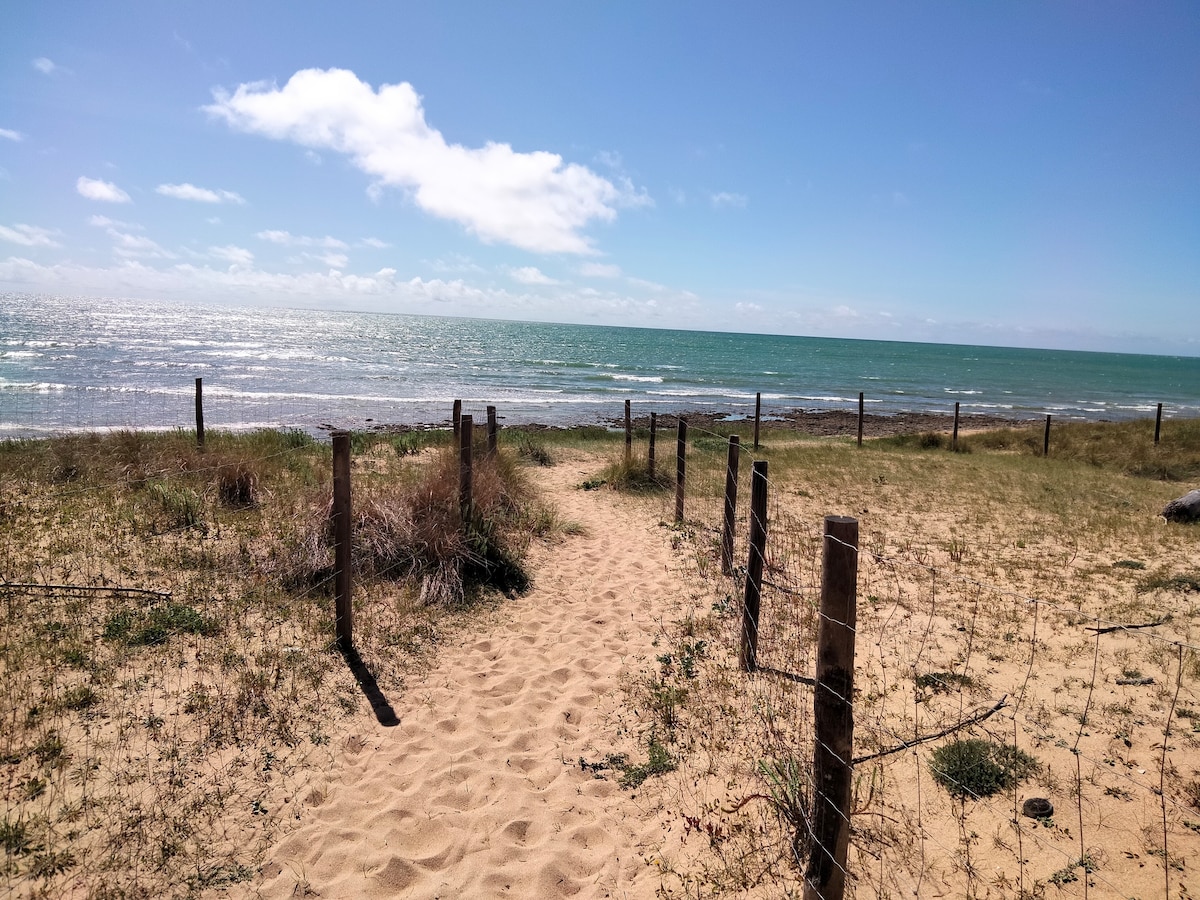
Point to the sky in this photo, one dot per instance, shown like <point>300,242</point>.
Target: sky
<point>1019,174</point>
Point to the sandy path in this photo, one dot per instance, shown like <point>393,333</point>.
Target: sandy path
<point>478,791</point>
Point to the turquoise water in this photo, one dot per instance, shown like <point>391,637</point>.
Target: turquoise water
<point>68,363</point>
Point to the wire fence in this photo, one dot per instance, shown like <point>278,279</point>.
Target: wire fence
<point>1007,741</point>
<point>121,751</point>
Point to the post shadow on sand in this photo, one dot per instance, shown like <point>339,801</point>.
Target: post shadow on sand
<point>790,676</point>
<point>384,714</point>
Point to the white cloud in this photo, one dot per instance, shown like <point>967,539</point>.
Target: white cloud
<point>726,200</point>
<point>106,222</point>
<point>45,66</point>
<point>187,191</point>
<point>600,270</point>
<point>531,275</point>
<point>9,135</point>
<point>213,220</point>
<point>134,246</point>
<point>333,260</point>
<point>106,191</point>
<point>237,256</point>
<point>530,200</point>
<point>745,307</point>
<point>374,242</point>
<point>287,239</point>
<point>29,236</point>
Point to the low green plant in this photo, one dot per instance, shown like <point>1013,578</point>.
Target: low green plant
<point>155,624</point>
<point>659,761</point>
<point>972,768</point>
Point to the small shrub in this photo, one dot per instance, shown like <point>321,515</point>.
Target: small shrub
<point>237,484</point>
<point>943,682</point>
<point>79,697</point>
<point>1185,582</point>
<point>659,762</point>
<point>974,767</point>
<point>634,476</point>
<point>532,450</point>
<point>181,506</point>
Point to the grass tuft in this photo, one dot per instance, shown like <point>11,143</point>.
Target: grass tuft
<point>973,768</point>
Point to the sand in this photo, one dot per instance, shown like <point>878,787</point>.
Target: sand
<point>478,792</point>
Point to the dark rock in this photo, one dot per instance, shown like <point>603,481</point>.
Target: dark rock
<point>1183,509</point>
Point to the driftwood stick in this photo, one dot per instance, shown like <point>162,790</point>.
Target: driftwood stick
<point>50,588</point>
<point>974,720</point>
<point>1111,628</point>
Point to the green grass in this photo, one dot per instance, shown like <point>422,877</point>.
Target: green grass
<point>974,768</point>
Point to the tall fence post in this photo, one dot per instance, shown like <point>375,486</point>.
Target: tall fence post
<point>493,431</point>
<point>748,650</point>
<point>200,414</point>
<point>757,416</point>
<point>680,468</point>
<point>954,439</point>
<point>1046,440</point>
<point>861,401</point>
<point>456,415</point>
<point>833,709</point>
<point>342,541</point>
<point>731,480</point>
<point>653,434</point>
<point>1157,423</point>
<point>465,474</point>
<point>628,434</point>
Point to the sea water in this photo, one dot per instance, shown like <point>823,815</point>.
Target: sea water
<point>91,363</point>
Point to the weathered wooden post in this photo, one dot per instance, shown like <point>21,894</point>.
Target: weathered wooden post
<point>680,468</point>
<point>731,477</point>
<point>860,417</point>
<point>748,650</point>
<point>628,434</point>
<point>465,475</point>
<point>954,439</point>
<point>343,537</point>
<point>1157,422</point>
<point>653,434</point>
<point>200,414</point>
<point>757,416</point>
<point>1046,440</point>
<point>493,437</point>
<point>833,709</point>
<point>456,415</point>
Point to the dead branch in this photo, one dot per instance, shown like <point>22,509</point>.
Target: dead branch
<point>85,588</point>
<point>974,720</point>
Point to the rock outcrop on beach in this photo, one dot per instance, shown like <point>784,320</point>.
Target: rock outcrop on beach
<point>1183,509</point>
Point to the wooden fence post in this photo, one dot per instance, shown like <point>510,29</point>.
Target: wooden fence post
<point>200,414</point>
<point>860,417</point>
<point>757,416</point>
<point>1157,422</point>
<point>731,480</point>
<point>628,434</point>
<point>748,651</point>
<point>680,468</point>
<point>833,709</point>
<point>456,416</point>
<point>493,437</point>
<point>1046,440</point>
<point>343,537</point>
<point>653,432</point>
<point>954,439</point>
<point>465,475</point>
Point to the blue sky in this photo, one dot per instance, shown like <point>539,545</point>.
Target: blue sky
<point>1000,173</point>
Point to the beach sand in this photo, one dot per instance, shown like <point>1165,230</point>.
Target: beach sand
<point>478,792</point>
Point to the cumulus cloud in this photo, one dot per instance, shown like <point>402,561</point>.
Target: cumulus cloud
<point>187,191</point>
<point>9,135</point>
<point>531,275</point>
<point>29,236</point>
<point>135,246</point>
<point>237,256</point>
<point>287,239</point>
<point>600,270</point>
<point>375,242</point>
<point>726,200</point>
<point>105,191</point>
<point>534,200</point>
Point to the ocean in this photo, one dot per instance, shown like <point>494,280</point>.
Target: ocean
<point>80,363</point>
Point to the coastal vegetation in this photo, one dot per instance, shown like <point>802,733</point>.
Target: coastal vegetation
<point>169,677</point>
